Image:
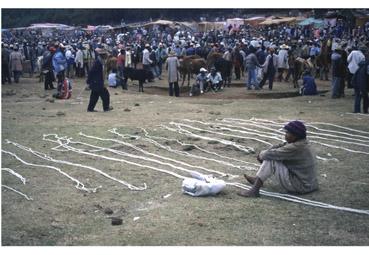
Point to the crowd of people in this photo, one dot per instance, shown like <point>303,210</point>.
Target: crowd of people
<point>255,54</point>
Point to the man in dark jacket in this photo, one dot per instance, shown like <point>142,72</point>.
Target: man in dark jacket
<point>95,80</point>
<point>5,59</point>
<point>361,86</point>
<point>47,68</point>
<point>337,72</point>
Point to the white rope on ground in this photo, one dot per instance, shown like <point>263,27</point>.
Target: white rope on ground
<point>251,130</point>
<point>219,126</point>
<point>365,140</point>
<point>326,159</point>
<point>70,148</point>
<point>276,195</point>
<point>358,114</point>
<point>154,155</point>
<point>46,157</point>
<point>79,185</point>
<point>334,125</point>
<point>310,137</point>
<point>208,152</point>
<point>183,153</point>
<point>250,122</point>
<point>300,200</point>
<point>11,171</point>
<point>17,191</point>
<point>323,144</point>
<point>189,133</point>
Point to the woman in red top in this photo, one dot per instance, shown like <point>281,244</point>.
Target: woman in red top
<point>120,63</point>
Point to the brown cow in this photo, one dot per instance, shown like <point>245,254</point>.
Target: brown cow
<point>110,64</point>
<point>190,65</point>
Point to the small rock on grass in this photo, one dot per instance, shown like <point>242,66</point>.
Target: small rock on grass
<point>108,211</point>
<point>188,148</point>
<point>116,221</point>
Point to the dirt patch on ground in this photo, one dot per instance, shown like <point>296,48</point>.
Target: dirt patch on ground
<point>60,214</point>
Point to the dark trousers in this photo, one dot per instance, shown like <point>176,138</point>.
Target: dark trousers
<point>360,94</point>
<point>342,88</point>
<point>349,80</point>
<point>85,68</point>
<point>70,71</point>
<point>5,74</point>
<point>270,77</point>
<point>17,74</point>
<point>176,89</point>
<point>49,78</point>
<point>94,97</point>
<point>237,71</point>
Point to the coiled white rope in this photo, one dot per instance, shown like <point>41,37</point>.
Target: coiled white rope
<point>48,158</point>
<point>79,185</point>
<point>17,191</point>
<point>152,154</point>
<point>11,171</point>
<point>65,145</point>
<point>207,152</point>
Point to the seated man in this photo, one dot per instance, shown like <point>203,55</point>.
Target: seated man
<point>201,83</point>
<point>308,85</point>
<point>214,79</point>
<point>292,163</point>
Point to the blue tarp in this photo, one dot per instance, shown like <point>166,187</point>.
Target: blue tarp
<point>312,21</point>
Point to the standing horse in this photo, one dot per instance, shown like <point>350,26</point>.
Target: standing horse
<point>323,61</point>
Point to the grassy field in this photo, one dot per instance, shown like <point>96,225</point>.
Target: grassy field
<point>162,215</point>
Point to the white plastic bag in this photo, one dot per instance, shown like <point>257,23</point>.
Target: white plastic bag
<point>202,185</point>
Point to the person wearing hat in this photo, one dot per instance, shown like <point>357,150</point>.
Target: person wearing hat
<point>5,60</point>
<point>293,163</point>
<point>282,61</point>
<point>161,56</point>
<point>269,69</point>
<point>172,65</point>
<point>214,80</point>
<point>47,68</point>
<point>338,69</point>
<point>95,80</point>
<point>59,64</point>
<point>79,62</point>
<point>16,63</point>
<point>200,84</point>
<point>146,61</point>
